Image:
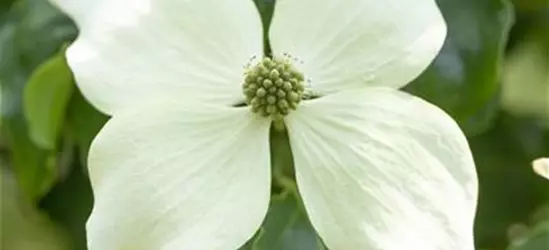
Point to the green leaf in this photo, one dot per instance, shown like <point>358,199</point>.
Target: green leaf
<point>33,167</point>
<point>84,122</point>
<point>509,190</point>
<point>530,5</point>
<point>5,5</point>
<point>46,96</point>
<point>70,203</point>
<point>465,75</point>
<point>484,117</point>
<point>286,227</point>
<point>24,227</point>
<point>42,31</point>
<point>36,169</point>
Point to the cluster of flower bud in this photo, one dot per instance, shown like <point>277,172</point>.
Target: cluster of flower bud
<point>273,87</point>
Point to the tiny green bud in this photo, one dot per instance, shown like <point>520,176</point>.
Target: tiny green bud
<point>259,80</point>
<point>287,86</point>
<point>249,91</point>
<point>271,109</point>
<point>293,96</point>
<point>286,75</point>
<point>293,81</point>
<point>283,104</point>
<point>249,99</point>
<point>263,112</point>
<point>255,101</point>
<point>268,63</point>
<point>293,105</point>
<point>261,92</point>
<point>271,99</point>
<point>251,76</point>
<point>264,71</point>
<point>252,86</point>
<point>301,86</point>
<point>274,74</point>
<point>267,83</point>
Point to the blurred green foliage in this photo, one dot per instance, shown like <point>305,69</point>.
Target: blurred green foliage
<point>492,76</point>
<point>45,99</point>
<point>23,226</point>
<point>464,78</point>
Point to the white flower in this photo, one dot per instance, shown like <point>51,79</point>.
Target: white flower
<point>541,167</point>
<point>179,166</point>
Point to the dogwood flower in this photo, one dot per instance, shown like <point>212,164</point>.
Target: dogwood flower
<point>541,167</point>
<point>184,162</point>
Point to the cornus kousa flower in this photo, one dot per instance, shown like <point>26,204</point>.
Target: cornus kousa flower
<point>184,162</point>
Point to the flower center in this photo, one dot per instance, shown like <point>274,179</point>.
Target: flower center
<point>273,87</point>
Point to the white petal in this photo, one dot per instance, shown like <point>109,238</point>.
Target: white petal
<point>541,167</point>
<point>132,50</point>
<point>356,43</point>
<point>379,169</point>
<point>179,178</point>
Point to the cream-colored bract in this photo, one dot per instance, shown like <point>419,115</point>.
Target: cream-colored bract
<point>380,169</point>
<point>356,43</point>
<point>171,176</point>
<point>178,167</point>
<point>541,167</point>
<point>132,51</point>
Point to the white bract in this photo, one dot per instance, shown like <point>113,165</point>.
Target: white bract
<point>541,167</point>
<point>181,165</point>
